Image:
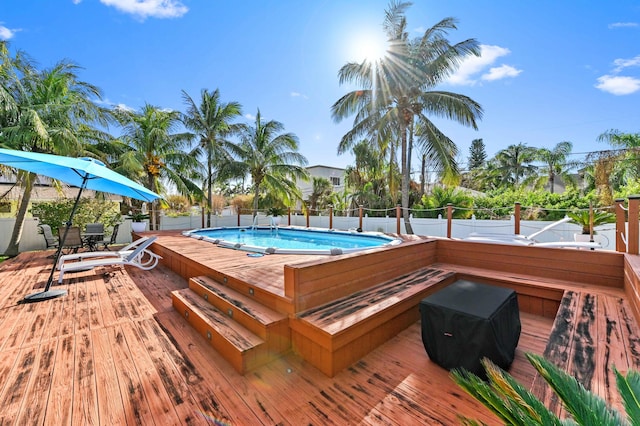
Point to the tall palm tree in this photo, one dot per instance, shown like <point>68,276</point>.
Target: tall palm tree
<point>272,160</point>
<point>211,121</point>
<point>515,164</point>
<point>320,192</point>
<point>556,164</point>
<point>157,153</point>
<point>46,111</point>
<point>397,95</point>
<point>628,168</point>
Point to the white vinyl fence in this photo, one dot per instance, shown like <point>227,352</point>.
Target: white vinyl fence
<point>33,240</point>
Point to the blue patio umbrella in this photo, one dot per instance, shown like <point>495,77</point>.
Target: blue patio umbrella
<point>84,173</point>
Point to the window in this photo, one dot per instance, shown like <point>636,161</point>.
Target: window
<point>335,181</point>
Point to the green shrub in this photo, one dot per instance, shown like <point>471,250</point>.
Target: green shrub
<point>90,210</point>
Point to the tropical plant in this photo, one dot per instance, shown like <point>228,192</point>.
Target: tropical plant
<point>156,153</point>
<point>137,216</point>
<point>211,123</point>
<point>396,97</point>
<point>276,211</point>
<point>90,210</point>
<point>556,165</point>
<point>436,203</point>
<point>583,218</point>
<point>627,165</point>
<point>514,164</point>
<point>271,159</point>
<point>514,405</point>
<point>320,192</point>
<point>46,111</point>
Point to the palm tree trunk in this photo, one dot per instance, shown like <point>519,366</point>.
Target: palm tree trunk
<point>209,192</point>
<point>16,235</point>
<point>405,182</point>
<point>256,193</point>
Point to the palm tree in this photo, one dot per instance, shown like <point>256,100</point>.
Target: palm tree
<point>628,168</point>
<point>211,123</point>
<point>48,111</point>
<point>156,153</point>
<point>320,192</point>
<point>272,160</point>
<point>556,164</point>
<point>397,96</point>
<point>514,164</point>
<point>515,405</point>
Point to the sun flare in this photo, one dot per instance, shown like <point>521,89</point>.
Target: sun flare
<point>369,46</point>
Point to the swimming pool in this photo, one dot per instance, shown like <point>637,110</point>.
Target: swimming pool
<point>289,240</point>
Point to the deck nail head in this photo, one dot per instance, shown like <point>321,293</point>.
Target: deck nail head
<point>230,313</point>
<point>251,291</point>
<point>186,314</point>
<point>206,296</point>
<point>224,280</point>
<point>208,335</point>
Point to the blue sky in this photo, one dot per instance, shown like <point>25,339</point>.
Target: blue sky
<point>550,71</point>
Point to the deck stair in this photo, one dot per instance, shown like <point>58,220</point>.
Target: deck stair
<point>243,331</point>
<point>339,333</point>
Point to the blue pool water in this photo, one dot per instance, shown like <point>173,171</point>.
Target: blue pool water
<point>292,240</point>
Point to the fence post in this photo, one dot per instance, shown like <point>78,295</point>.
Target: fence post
<point>632,235</point>
<point>289,216</point>
<point>360,216</point>
<point>330,217</point>
<point>307,214</point>
<point>398,219</point>
<point>238,216</point>
<point>449,219</point>
<point>516,215</point>
<point>620,225</point>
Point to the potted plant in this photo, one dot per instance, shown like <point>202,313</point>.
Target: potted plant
<point>276,213</point>
<point>583,219</point>
<point>137,224</point>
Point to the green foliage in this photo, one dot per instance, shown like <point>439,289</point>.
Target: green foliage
<point>90,210</point>
<point>538,204</point>
<point>583,218</point>
<point>436,203</point>
<point>515,405</point>
<point>275,211</point>
<point>137,216</point>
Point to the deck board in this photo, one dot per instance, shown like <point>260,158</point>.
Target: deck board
<point>113,351</point>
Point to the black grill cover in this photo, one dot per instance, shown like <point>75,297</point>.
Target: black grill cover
<point>467,321</point>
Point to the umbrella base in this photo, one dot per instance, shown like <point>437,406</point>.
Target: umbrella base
<point>43,295</point>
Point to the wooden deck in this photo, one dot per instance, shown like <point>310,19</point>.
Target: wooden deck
<point>114,351</point>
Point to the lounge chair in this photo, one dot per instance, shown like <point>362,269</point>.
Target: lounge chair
<point>131,258</point>
<point>123,252</point>
<point>529,240</point>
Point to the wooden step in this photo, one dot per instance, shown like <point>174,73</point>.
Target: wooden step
<point>266,323</point>
<point>337,334</point>
<point>242,348</point>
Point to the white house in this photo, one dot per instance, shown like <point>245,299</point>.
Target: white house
<point>335,175</point>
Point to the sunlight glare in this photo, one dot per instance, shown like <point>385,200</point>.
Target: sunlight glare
<point>369,46</point>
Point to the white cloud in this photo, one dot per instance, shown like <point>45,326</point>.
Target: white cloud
<point>466,75</point>
<point>498,73</point>
<point>250,117</point>
<point>149,8</point>
<point>624,25</point>
<point>7,33</point>
<point>618,85</point>
<point>298,95</point>
<point>625,63</point>
<point>124,107</point>
<point>76,1</point>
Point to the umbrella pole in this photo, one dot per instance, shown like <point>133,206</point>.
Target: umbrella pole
<point>50,294</point>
